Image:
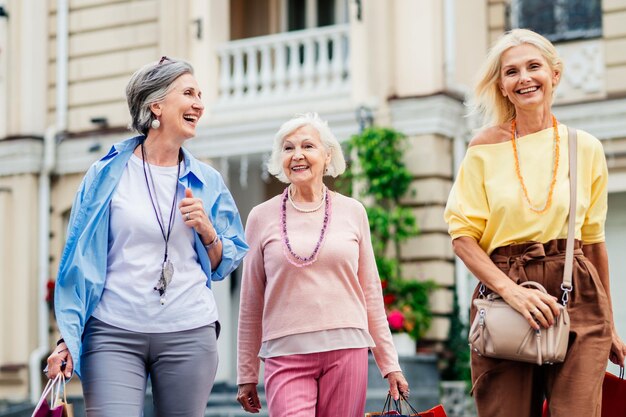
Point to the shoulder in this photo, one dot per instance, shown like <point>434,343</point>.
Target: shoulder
<point>587,141</point>
<point>268,207</point>
<point>491,135</point>
<point>348,204</point>
<point>207,171</point>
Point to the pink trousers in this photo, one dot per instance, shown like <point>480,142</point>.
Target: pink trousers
<point>324,384</point>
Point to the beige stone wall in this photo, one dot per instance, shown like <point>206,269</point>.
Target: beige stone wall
<point>496,19</point>
<point>429,256</point>
<point>108,42</point>
<point>18,280</point>
<point>614,34</point>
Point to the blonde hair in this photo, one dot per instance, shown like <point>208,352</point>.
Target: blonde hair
<point>488,101</point>
<point>337,164</point>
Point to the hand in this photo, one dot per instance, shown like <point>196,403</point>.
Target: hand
<point>248,397</point>
<point>618,350</point>
<point>60,356</point>
<point>538,308</point>
<point>397,385</point>
<point>192,210</point>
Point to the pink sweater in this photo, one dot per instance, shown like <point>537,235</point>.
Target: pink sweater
<point>340,290</point>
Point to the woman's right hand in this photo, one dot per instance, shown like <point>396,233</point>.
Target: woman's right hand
<point>538,308</point>
<point>248,397</point>
<point>60,356</point>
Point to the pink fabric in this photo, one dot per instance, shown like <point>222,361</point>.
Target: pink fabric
<point>340,290</point>
<point>325,384</point>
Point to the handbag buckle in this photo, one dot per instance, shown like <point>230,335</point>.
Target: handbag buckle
<point>566,291</point>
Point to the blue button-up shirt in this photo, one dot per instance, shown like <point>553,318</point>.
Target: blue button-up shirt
<point>83,266</point>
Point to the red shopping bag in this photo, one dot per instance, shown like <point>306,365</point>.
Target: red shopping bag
<point>613,396</point>
<point>402,408</point>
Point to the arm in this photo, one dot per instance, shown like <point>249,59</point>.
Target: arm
<point>251,306</point>
<point>384,352</point>
<point>597,255</point>
<point>522,299</point>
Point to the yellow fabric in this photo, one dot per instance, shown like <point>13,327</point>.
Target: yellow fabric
<point>487,203</point>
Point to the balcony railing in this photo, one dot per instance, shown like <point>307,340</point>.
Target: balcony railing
<point>302,64</point>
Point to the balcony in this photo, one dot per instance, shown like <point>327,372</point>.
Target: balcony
<point>300,66</point>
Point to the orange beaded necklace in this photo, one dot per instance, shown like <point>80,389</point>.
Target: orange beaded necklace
<point>555,167</point>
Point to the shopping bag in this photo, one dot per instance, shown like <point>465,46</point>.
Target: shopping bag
<point>402,408</point>
<point>57,407</point>
<point>613,396</point>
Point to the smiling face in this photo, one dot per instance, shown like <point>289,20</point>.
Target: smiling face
<point>526,78</point>
<point>304,157</point>
<point>181,109</point>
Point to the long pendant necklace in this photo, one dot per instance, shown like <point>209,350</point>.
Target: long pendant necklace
<point>287,249</point>
<point>555,167</point>
<point>167,268</point>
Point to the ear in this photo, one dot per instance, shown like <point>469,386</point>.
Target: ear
<point>502,90</point>
<point>156,108</point>
<point>328,159</point>
<point>556,77</point>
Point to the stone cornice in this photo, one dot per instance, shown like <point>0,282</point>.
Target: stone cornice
<point>438,114</point>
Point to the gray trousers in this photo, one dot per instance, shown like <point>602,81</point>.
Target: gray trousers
<point>116,364</point>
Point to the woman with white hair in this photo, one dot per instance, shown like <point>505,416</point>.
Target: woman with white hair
<point>508,217</point>
<point>311,298</point>
<point>151,228</point>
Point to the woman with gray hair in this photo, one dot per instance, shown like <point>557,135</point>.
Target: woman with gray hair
<point>311,300</point>
<point>151,227</point>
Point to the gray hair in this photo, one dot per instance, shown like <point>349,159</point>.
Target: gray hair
<point>337,164</point>
<point>150,84</point>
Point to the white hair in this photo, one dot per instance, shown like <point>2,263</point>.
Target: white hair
<point>337,164</point>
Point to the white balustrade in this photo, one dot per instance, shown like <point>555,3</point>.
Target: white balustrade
<point>306,63</point>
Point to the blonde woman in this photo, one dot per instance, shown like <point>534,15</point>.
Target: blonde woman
<point>507,216</point>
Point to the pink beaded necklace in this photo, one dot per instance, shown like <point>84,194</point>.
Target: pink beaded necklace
<point>288,251</point>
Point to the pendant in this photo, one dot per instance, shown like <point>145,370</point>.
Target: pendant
<point>167,272</point>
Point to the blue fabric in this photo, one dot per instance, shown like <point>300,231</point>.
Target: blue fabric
<point>83,265</point>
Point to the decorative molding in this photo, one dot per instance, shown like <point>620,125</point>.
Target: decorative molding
<point>605,119</point>
<point>20,156</point>
<point>439,114</point>
<point>584,73</point>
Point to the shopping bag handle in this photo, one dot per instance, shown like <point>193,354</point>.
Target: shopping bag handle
<point>397,404</point>
<point>49,389</point>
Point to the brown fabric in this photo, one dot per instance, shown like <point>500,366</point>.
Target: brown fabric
<point>504,388</point>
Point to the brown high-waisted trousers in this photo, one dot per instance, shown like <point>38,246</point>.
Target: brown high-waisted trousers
<point>503,388</point>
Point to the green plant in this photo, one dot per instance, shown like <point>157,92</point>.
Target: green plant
<point>379,173</point>
<point>456,356</point>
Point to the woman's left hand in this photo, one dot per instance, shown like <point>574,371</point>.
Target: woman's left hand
<point>397,385</point>
<point>192,210</point>
<point>618,350</point>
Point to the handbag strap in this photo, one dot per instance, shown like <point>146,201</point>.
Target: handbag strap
<point>566,286</point>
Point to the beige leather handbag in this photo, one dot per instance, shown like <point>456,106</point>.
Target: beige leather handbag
<point>499,331</point>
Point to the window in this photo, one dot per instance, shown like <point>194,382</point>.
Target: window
<point>307,14</point>
<point>559,20</point>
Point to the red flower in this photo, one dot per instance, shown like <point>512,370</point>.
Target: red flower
<point>396,320</point>
<point>383,283</point>
<point>389,299</point>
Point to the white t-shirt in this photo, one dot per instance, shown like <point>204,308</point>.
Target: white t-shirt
<point>135,257</point>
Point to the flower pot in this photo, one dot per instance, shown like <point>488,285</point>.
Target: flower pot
<point>405,345</point>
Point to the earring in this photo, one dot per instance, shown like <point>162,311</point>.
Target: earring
<point>155,124</point>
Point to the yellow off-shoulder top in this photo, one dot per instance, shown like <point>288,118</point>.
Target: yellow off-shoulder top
<point>487,202</point>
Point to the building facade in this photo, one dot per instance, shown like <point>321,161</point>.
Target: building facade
<point>410,64</point>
